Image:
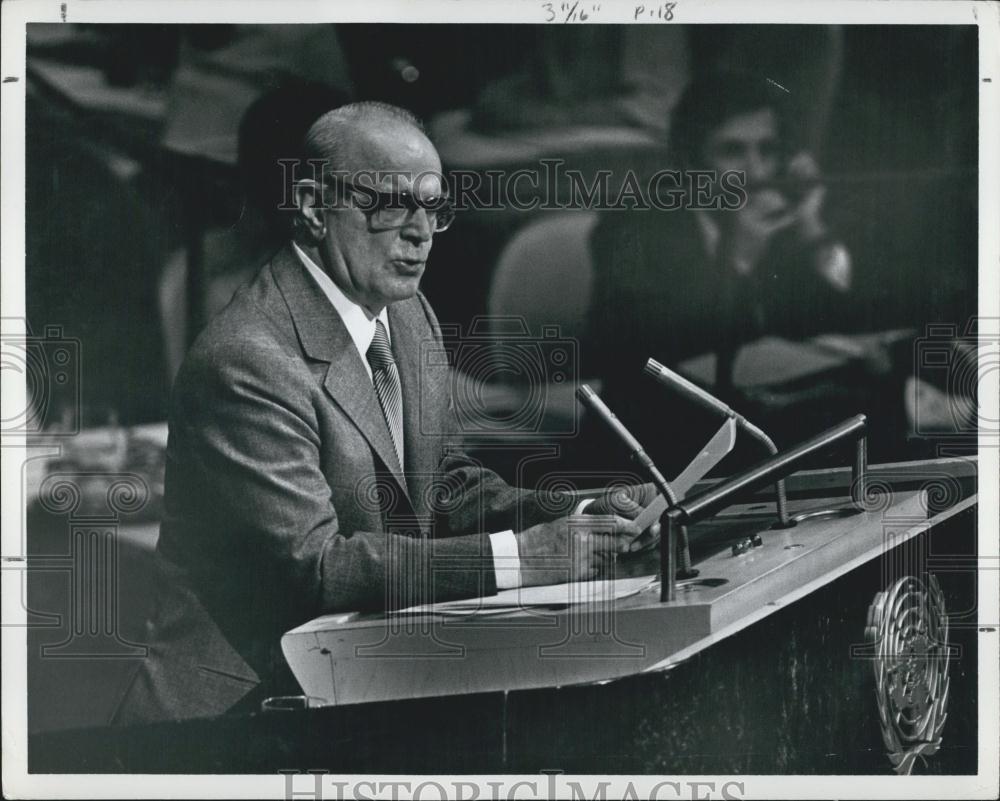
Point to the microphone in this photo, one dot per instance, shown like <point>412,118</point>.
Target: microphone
<point>688,389</point>
<point>590,399</point>
<point>668,378</point>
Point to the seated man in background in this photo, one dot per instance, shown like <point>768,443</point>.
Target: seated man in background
<point>309,467</point>
<point>672,284</point>
<point>246,226</point>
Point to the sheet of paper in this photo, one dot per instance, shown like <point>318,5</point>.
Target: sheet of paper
<point>773,361</point>
<point>577,592</point>
<point>770,361</point>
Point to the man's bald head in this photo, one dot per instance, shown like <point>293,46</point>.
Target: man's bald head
<point>335,136</point>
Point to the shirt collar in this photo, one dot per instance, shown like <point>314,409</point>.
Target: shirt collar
<point>357,319</point>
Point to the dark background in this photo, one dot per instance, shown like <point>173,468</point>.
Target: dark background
<point>125,167</point>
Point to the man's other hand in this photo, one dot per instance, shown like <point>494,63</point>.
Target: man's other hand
<point>624,501</point>
<point>573,548</point>
<point>808,221</point>
<point>747,232</point>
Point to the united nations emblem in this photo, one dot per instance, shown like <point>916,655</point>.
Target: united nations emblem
<point>908,631</point>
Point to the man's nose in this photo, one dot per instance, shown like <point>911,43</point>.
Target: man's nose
<point>418,228</point>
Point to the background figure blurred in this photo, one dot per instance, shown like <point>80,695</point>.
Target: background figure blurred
<point>559,82</point>
<point>248,227</point>
<point>91,238</point>
<point>676,284</point>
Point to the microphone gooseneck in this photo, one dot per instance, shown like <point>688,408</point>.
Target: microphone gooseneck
<point>593,402</point>
<point>668,378</point>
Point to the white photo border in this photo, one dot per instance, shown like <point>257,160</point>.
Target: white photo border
<point>17,783</point>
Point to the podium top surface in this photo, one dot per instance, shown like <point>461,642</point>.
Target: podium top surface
<point>598,631</point>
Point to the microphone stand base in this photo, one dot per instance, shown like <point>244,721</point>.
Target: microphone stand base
<point>815,513</point>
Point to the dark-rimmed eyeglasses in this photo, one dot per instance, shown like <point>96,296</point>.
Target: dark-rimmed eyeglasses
<point>394,209</point>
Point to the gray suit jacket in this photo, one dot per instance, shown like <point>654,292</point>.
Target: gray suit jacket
<point>285,500</point>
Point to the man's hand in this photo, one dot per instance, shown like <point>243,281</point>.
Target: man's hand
<point>573,548</point>
<point>829,258</point>
<point>624,501</point>
<point>808,223</point>
<point>747,232</point>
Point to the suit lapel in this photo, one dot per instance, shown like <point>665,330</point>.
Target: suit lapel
<point>411,335</point>
<point>324,337</point>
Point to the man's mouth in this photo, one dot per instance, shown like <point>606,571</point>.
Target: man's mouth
<point>409,266</point>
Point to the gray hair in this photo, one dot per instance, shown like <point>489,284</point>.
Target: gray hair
<point>325,137</point>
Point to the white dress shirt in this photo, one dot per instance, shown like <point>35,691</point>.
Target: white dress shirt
<point>360,325</point>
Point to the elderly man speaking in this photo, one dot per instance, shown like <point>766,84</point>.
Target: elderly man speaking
<point>304,476</point>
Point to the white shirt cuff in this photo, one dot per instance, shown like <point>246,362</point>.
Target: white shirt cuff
<point>506,560</point>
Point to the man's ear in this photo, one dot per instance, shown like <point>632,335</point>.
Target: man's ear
<point>310,213</point>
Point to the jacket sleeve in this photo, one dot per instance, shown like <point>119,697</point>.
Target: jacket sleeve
<point>245,479</point>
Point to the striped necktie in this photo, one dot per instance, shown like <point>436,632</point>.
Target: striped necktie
<point>385,377</point>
